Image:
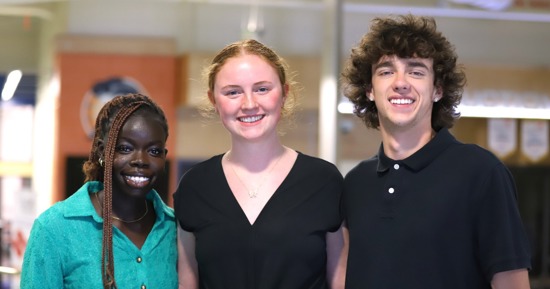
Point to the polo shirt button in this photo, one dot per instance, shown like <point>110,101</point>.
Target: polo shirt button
<point>396,166</point>
<point>143,286</point>
<point>391,191</point>
<point>138,259</point>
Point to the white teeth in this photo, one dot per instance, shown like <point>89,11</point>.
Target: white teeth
<point>138,180</point>
<point>401,101</point>
<point>250,118</point>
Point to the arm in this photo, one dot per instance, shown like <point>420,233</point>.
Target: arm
<point>41,263</point>
<point>513,279</point>
<point>503,242</point>
<point>337,257</point>
<point>187,264</point>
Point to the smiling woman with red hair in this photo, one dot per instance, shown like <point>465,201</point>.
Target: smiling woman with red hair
<point>261,215</point>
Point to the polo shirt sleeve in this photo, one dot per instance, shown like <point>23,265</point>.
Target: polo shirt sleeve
<point>502,239</point>
<point>41,262</point>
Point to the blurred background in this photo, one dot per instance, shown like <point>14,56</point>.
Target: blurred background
<point>61,60</point>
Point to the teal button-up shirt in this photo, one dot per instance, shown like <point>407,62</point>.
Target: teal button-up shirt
<point>64,248</point>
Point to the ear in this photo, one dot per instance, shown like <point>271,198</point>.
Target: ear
<point>286,89</point>
<point>438,94</point>
<point>370,96</point>
<point>211,98</point>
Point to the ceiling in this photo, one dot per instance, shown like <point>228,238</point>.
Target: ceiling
<point>518,35</point>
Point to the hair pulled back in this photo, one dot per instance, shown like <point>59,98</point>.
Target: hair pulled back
<point>253,47</point>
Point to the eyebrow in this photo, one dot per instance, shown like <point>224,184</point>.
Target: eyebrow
<point>409,63</point>
<point>233,86</point>
<point>386,63</point>
<point>131,140</point>
<point>416,63</point>
<point>263,82</point>
<point>230,86</point>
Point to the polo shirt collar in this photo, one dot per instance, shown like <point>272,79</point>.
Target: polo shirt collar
<point>79,204</point>
<point>423,157</point>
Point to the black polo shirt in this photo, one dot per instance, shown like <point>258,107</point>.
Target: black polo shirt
<point>445,217</point>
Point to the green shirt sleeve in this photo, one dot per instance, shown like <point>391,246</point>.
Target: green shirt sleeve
<point>42,266</point>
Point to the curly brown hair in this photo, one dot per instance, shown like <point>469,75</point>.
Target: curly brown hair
<point>99,166</point>
<point>404,36</point>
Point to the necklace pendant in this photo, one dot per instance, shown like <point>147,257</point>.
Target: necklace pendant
<point>253,193</point>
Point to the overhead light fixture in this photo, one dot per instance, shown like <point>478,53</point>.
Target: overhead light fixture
<point>503,112</point>
<point>8,270</point>
<point>11,84</point>
<point>491,104</point>
<point>494,5</point>
<point>253,27</point>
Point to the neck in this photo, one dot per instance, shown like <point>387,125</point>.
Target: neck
<point>128,208</point>
<point>402,144</point>
<point>255,154</point>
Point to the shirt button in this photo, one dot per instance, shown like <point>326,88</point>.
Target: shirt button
<point>391,191</point>
<point>138,259</point>
<point>143,286</point>
<point>396,166</point>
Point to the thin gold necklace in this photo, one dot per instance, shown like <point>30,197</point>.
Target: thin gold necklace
<point>122,220</point>
<point>253,193</point>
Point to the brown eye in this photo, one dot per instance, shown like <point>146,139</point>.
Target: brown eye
<point>157,151</point>
<point>123,149</point>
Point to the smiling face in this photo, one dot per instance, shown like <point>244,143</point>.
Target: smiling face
<point>403,90</point>
<point>140,154</point>
<point>248,96</point>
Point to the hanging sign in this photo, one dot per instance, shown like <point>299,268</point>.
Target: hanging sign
<point>502,135</point>
<point>534,139</point>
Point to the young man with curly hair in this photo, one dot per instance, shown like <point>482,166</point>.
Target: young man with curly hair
<point>427,211</point>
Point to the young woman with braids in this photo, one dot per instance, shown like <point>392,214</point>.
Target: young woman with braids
<point>261,215</point>
<point>116,220</point>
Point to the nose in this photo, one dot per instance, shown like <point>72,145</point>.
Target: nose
<point>139,159</point>
<point>401,85</point>
<point>249,101</point>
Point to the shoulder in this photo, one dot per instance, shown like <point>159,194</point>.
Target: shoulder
<point>51,223</point>
<point>368,165</point>
<point>316,165</point>
<point>205,175</point>
<point>53,215</point>
<point>204,166</point>
<point>202,171</point>
<point>477,168</point>
<point>313,175</point>
<point>472,155</point>
<point>74,205</point>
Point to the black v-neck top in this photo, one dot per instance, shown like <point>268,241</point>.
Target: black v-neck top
<point>286,245</point>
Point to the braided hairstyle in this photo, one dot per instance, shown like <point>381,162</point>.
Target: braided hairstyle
<point>109,122</point>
